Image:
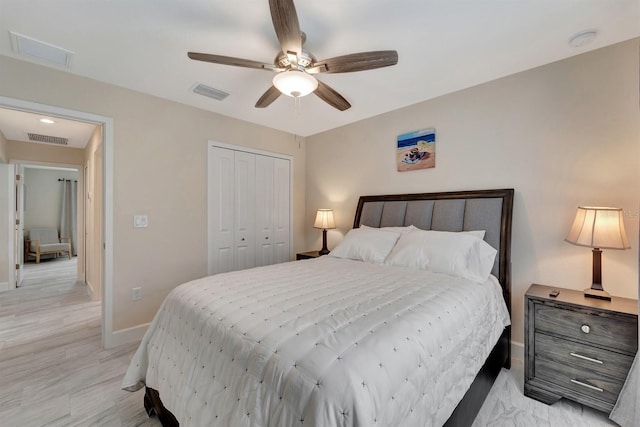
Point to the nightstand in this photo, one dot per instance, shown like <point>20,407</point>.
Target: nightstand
<point>576,347</point>
<point>307,255</point>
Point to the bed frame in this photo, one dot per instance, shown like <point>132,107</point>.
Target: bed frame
<point>489,210</point>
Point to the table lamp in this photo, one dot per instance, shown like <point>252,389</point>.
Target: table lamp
<point>598,228</point>
<point>324,220</point>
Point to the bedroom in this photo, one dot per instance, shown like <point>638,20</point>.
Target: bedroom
<point>542,131</point>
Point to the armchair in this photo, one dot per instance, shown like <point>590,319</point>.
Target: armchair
<point>46,241</point>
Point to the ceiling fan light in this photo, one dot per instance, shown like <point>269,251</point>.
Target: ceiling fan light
<point>295,83</point>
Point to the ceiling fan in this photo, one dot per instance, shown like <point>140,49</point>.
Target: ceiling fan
<point>296,67</point>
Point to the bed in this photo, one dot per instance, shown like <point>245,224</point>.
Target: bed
<point>338,341</point>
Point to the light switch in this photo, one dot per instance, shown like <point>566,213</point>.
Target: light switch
<point>140,221</point>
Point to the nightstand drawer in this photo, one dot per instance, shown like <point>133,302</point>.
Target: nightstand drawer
<point>582,356</point>
<point>606,332</point>
<point>580,381</point>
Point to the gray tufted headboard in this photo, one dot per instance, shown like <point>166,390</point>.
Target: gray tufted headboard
<point>489,210</point>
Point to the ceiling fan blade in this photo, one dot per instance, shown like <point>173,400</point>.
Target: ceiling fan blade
<point>331,97</point>
<point>230,60</point>
<point>285,22</point>
<point>355,62</point>
<point>268,97</point>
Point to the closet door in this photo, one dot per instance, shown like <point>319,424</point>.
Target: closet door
<point>244,189</point>
<point>249,209</point>
<point>221,217</point>
<point>281,210</point>
<point>264,210</point>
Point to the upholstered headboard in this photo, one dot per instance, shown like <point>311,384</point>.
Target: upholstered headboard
<point>489,210</point>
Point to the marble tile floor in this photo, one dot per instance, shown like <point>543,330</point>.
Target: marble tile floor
<point>54,372</point>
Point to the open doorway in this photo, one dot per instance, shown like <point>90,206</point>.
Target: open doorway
<point>49,226</point>
<point>100,149</point>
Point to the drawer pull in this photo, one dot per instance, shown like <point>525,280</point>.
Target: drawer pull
<point>579,356</point>
<point>589,386</point>
<point>585,328</point>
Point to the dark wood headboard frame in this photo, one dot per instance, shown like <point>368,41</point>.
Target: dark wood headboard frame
<point>504,254</point>
<point>467,409</point>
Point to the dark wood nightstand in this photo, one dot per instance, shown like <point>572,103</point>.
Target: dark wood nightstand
<point>576,347</point>
<point>307,255</point>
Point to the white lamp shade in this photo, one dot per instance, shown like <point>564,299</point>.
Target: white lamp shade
<point>295,83</point>
<point>324,219</point>
<point>598,227</point>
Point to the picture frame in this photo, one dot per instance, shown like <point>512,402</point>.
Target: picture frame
<point>416,150</point>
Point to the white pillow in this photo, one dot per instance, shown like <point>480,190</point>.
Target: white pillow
<point>456,254</point>
<point>478,233</point>
<point>366,244</point>
<point>401,230</point>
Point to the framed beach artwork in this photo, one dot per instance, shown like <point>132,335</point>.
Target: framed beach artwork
<point>417,150</point>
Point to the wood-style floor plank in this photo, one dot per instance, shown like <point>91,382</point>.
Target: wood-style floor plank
<point>53,370</point>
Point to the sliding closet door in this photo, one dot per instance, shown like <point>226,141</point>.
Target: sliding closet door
<point>245,190</point>
<point>249,209</point>
<point>221,216</point>
<point>264,210</point>
<point>281,210</point>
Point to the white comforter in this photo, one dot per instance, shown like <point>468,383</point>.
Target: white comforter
<point>323,342</point>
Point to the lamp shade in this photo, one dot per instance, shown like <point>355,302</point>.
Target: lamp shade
<point>324,219</point>
<point>295,83</point>
<point>598,227</point>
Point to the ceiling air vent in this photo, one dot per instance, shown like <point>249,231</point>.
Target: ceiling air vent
<point>35,49</point>
<point>48,139</point>
<point>210,92</point>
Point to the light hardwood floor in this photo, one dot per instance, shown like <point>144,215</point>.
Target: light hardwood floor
<point>54,372</point>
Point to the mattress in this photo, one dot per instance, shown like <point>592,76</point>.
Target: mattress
<point>319,342</point>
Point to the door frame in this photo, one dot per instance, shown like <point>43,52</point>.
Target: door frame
<point>108,338</point>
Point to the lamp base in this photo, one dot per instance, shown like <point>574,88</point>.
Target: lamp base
<point>323,251</point>
<point>596,293</point>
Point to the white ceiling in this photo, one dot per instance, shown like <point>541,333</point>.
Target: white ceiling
<point>16,124</point>
<point>443,46</point>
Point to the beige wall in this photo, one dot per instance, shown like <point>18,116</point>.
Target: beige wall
<point>3,149</point>
<point>4,199</point>
<point>32,152</point>
<point>43,194</point>
<point>563,135</point>
<point>4,224</point>
<point>160,152</point>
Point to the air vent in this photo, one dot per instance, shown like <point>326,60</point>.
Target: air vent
<point>210,92</point>
<point>48,139</point>
<point>35,49</point>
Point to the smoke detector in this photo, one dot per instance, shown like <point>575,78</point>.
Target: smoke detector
<point>583,38</point>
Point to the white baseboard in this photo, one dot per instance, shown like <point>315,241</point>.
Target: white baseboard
<point>90,291</point>
<point>517,352</point>
<point>126,336</point>
<point>4,286</point>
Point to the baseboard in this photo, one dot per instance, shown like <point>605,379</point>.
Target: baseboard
<point>90,291</point>
<point>4,286</point>
<point>126,336</point>
<point>517,352</point>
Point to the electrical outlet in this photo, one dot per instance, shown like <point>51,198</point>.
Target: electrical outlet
<point>136,294</point>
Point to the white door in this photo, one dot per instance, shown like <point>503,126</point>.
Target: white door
<point>248,209</point>
<point>264,210</point>
<point>221,218</point>
<point>281,210</point>
<point>19,227</point>
<point>244,206</point>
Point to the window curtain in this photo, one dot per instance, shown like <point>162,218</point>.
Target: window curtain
<point>69,213</point>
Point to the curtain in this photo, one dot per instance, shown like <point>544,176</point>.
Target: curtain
<point>69,213</point>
